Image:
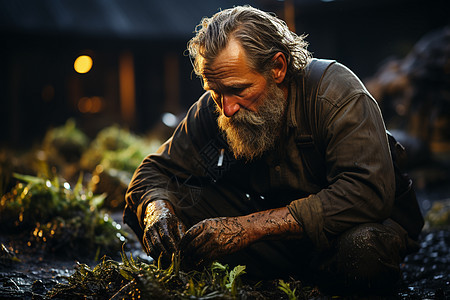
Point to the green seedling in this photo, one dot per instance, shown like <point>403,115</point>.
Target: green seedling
<point>286,288</point>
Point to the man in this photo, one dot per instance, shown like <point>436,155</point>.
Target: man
<point>255,175</point>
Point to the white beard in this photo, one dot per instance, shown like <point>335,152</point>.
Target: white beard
<point>250,134</point>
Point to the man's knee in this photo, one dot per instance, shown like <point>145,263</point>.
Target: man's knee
<point>371,251</point>
<point>366,258</point>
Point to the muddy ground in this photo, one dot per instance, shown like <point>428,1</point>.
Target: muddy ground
<point>425,273</point>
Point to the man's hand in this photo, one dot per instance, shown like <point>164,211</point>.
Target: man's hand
<point>163,230</point>
<point>212,238</point>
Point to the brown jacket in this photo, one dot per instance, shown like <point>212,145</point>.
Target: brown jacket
<point>350,181</point>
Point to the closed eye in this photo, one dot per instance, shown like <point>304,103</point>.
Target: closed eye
<point>236,91</point>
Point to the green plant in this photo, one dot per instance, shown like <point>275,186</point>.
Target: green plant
<point>117,148</point>
<point>66,142</point>
<point>286,288</point>
<point>59,219</point>
<point>136,279</point>
<point>228,279</point>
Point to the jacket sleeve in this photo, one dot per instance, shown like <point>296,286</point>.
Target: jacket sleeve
<point>351,136</point>
<point>159,174</point>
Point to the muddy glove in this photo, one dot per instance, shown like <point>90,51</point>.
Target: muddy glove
<point>163,230</point>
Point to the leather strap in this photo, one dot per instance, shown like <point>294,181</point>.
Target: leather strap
<point>313,75</point>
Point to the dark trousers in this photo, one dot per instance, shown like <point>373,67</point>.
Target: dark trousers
<point>365,258</point>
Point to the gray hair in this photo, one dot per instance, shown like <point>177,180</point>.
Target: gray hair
<point>261,34</point>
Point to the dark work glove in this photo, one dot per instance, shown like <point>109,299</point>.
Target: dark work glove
<point>163,231</point>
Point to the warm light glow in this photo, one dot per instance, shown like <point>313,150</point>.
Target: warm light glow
<point>127,87</point>
<point>91,105</point>
<point>83,64</point>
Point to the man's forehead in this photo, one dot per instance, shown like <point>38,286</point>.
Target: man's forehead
<point>224,82</point>
<point>231,57</point>
<point>223,66</point>
<point>233,72</point>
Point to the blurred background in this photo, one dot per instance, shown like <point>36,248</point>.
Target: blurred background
<point>137,48</point>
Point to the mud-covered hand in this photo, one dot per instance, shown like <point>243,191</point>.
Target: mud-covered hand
<point>213,238</point>
<point>163,230</point>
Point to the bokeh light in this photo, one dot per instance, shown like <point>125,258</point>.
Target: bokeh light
<point>91,105</point>
<point>83,64</point>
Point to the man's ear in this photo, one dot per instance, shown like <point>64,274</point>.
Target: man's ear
<point>279,67</point>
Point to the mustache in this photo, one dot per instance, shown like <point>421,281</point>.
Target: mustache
<point>249,133</point>
<point>244,118</point>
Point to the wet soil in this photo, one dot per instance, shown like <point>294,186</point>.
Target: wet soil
<point>37,273</point>
<point>425,274</point>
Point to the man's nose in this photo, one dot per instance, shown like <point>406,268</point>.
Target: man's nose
<point>230,105</point>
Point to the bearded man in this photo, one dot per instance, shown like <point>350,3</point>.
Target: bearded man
<point>262,173</point>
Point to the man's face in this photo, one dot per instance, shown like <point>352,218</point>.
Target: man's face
<point>251,106</point>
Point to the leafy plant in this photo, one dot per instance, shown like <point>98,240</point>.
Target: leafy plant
<point>286,288</point>
<point>112,158</point>
<point>66,142</point>
<point>59,219</point>
<point>228,279</point>
<point>135,279</point>
<point>117,148</point>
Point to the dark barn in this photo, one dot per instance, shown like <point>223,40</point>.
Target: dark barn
<point>139,67</point>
